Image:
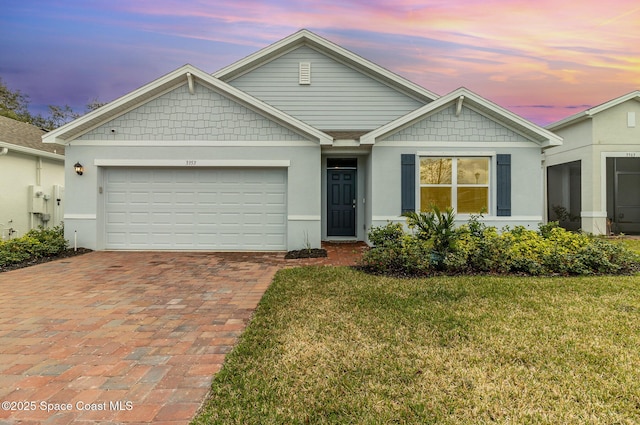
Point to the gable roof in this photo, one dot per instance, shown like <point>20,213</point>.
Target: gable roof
<point>463,96</point>
<point>26,138</point>
<point>586,114</point>
<point>186,74</point>
<point>307,38</point>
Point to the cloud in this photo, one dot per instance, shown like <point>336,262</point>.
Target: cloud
<point>516,52</point>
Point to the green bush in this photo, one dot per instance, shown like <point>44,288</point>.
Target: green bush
<point>37,243</point>
<point>476,248</point>
<point>387,235</point>
<point>437,227</point>
<point>395,252</point>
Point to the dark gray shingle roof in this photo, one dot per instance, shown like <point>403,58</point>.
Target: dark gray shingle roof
<point>26,135</point>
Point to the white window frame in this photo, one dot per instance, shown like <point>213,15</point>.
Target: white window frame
<point>454,156</point>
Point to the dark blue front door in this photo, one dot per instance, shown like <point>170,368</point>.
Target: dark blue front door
<point>341,203</point>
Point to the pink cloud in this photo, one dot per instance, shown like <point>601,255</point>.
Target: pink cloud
<point>516,52</point>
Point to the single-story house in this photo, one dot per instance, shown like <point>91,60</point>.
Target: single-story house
<point>593,179</point>
<point>300,142</point>
<point>31,179</point>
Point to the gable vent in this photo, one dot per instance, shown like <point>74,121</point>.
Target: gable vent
<point>305,73</point>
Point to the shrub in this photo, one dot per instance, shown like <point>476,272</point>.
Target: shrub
<point>395,252</point>
<point>387,235</point>
<point>476,248</point>
<point>436,227</point>
<point>36,243</point>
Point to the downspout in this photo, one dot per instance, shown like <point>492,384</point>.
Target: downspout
<point>39,172</point>
<point>38,183</point>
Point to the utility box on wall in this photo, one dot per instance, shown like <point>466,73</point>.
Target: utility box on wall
<point>36,200</point>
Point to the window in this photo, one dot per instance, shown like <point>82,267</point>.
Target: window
<point>460,183</point>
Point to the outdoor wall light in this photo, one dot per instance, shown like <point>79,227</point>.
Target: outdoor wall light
<point>79,168</point>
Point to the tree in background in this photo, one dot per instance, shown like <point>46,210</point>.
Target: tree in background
<point>15,104</point>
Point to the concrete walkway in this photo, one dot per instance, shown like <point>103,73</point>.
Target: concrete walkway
<point>126,337</point>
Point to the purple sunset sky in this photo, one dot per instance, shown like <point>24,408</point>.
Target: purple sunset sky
<point>543,59</point>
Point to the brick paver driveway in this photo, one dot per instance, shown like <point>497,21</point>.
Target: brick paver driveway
<point>122,337</point>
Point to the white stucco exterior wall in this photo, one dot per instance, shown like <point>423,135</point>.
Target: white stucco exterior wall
<point>18,171</point>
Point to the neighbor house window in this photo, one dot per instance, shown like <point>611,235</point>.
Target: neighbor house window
<point>459,183</point>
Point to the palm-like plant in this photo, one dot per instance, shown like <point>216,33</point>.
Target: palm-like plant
<point>435,226</point>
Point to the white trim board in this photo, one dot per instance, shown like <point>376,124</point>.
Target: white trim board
<point>466,217</point>
<point>194,143</point>
<point>303,218</point>
<point>187,163</point>
<point>80,216</point>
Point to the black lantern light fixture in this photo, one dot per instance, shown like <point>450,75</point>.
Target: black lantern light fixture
<point>79,168</point>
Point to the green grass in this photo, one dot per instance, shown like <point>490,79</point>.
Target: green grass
<point>632,244</point>
<point>334,345</point>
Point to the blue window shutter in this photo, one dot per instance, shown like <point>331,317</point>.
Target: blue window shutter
<point>408,182</point>
<point>503,174</point>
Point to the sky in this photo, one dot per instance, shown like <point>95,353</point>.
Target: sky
<point>541,59</point>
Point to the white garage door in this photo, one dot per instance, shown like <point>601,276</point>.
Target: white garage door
<point>195,208</point>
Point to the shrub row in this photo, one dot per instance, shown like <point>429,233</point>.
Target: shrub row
<point>435,246</point>
<point>36,243</point>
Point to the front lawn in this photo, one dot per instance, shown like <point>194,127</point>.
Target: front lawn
<point>334,345</point>
<point>632,244</point>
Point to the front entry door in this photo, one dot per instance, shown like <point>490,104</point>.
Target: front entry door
<point>341,203</point>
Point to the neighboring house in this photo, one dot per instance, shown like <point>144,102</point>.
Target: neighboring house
<point>593,179</point>
<point>31,179</point>
<point>300,142</point>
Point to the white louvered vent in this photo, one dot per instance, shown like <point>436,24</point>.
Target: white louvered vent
<point>305,73</point>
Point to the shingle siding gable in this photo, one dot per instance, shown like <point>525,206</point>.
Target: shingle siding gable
<point>338,98</point>
<point>205,115</point>
<point>469,126</point>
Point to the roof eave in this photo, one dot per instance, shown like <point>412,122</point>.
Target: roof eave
<point>589,113</point>
<point>183,75</point>
<point>115,108</point>
<point>545,137</point>
<point>31,151</point>
<point>573,119</point>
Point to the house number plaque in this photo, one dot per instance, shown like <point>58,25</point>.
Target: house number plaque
<point>191,163</point>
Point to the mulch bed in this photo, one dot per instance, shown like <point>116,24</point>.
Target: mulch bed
<point>64,254</point>
<point>306,253</point>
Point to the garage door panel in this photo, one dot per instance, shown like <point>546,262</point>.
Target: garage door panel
<point>275,219</point>
<point>274,198</point>
<point>139,238</point>
<point>117,197</point>
<point>161,198</point>
<point>160,218</point>
<point>185,198</point>
<point>116,238</point>
<point>252,219</point>
<point>186,218</point>
<point>114,218</point>
<point>140,218</point>
<point>213,209</point>
<point>139,198</point>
